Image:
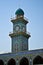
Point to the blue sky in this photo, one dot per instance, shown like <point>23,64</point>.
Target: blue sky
<point>33,10</point>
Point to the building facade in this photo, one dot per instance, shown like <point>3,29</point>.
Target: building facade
<point>20,54</point>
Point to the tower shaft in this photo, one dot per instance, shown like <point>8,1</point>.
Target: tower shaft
<point>19,36</point>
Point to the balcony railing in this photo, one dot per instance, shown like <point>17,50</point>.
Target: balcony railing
<point>19,17</point>
<point>19,32</point>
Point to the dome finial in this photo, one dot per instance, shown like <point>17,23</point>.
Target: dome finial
<point>19,12</point>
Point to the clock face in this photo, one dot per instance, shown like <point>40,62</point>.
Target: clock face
<point>17,28</point>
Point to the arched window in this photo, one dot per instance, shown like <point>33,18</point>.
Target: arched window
<point>38,60</point>
<point>11,62</point>
<point>1,62</point>
<point>24,61</point>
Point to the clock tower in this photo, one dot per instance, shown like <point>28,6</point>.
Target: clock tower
<point>19,36</point>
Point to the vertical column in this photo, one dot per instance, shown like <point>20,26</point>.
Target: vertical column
<point>5,63</point>
<point>31,61</point>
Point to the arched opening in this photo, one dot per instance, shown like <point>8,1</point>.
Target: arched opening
<point>1,62</point>
<point>38,60</point>
<point>11,62</point>
<point>24,61</point>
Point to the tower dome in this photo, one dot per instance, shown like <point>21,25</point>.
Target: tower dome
<point>19,12</point>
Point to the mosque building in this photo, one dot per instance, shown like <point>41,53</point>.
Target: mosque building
<point>20,55</point>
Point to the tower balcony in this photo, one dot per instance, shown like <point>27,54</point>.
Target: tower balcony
<point>22,18</point>
<point>26,34</point>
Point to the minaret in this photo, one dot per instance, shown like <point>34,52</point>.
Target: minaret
<point>19,36</point>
